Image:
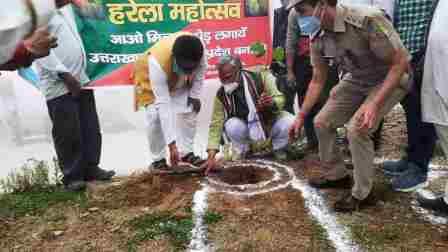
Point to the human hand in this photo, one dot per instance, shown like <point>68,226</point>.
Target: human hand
<point>40,43</point>
<point>71,83</point>
<point>367,116</point>
<point>295,129</point>
<point>174,154</point>
<point>209,166</point>
<point>196,103</point>
<point>265,101</point>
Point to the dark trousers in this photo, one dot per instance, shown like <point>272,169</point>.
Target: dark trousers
<point>76,134</point>
<point>304,73</point>
<point>421,135</point>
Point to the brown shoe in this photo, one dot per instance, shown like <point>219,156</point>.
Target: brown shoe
<point>323,182</point>
<point>348,203</point>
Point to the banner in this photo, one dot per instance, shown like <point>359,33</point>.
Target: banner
<point>130,27</point>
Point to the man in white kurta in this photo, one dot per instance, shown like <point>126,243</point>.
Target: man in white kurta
<point>168,119</point>
<point>168,80</point>
<point>435,91</point>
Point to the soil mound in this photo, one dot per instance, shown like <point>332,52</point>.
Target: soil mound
<point>243,175</point>
<point>147,190</point>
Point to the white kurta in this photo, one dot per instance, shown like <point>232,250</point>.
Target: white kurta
<point>169,118</point>
<point>435,78</point>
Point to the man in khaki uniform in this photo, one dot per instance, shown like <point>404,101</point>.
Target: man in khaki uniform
<point>366,48</point>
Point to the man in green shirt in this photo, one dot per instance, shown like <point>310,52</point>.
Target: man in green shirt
<point>248,108</point>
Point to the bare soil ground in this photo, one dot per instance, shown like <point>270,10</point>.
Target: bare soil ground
<point>274,221</point>
<point>243,175</point>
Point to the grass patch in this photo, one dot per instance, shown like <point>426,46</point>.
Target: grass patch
<point>319,238</point>
<point>377,240</point>
<point>158,225</point>
<point>32,203</point>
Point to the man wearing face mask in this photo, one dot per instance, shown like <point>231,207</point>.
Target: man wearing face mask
<point>278,68</point>
<point>299,69</point>
<point>247,108</point>
<point>364,45</point>
<point>168,80</point>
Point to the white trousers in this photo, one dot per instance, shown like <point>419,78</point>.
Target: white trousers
<point>442,132</point>
<point>238,132</point>
<point>185,132</point>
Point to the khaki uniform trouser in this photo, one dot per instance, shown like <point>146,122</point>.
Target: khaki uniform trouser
<point>442,132</point>
<point>342,107</point>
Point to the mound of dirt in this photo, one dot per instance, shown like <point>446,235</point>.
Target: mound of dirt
<point>243,175</point>
<point>147,190</point>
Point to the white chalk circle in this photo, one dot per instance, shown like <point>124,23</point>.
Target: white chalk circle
<point>280,179</point>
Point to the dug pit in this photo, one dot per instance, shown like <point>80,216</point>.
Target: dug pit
<point>244,175</point>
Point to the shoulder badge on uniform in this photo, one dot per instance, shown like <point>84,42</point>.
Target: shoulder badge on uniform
<point>355,17</point>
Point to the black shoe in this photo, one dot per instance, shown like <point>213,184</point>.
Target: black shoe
<point>348,203</point>
<point>75,186</point>
<point>437,204</point>
<point>159,165</point>
<point>192,159</point>
<point>312,147</point>
<point>96,173</point>
<point>322,182</point>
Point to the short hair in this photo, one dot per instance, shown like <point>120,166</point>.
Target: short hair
<point>188,47</point>
<point>229,59</point>
<point>331,2</point>
<point>310,2</point>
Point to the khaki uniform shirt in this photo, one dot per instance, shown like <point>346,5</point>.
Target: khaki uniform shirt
<point>360,45</point>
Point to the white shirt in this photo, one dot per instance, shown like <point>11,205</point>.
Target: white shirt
<point>16,23</point>
<point>68,57</point>
<point>169,104</point>
<point>435,78</point>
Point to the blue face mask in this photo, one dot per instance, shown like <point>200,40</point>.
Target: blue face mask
<point>309,25</point>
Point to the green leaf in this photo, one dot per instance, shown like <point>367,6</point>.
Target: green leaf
<point>278,54</point>
<point>258,49</point>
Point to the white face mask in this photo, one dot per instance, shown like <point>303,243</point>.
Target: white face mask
<point>230,87</point>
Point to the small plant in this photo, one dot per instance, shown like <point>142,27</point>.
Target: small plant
<point>34,203</point>
<point>155,226</point>
<point>34,175</point>
<point>278,54</point>
<point>32,189</point>
<point>212,217</point>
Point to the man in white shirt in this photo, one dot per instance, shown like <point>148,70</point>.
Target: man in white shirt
<point>76,129</point>
<point>168,79</point>
<point>435,91</point>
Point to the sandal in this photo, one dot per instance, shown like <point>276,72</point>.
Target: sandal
<point>192,159</point>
